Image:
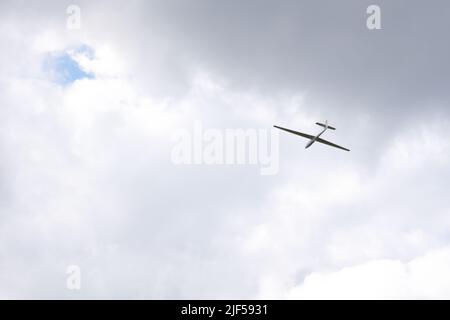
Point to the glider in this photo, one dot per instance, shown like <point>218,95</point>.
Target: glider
<point>317,138</point>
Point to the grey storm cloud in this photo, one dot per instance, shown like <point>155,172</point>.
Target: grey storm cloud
<point>86,175</point>
<point>321,46</point>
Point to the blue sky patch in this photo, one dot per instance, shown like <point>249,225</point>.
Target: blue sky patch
<point>62,67</point>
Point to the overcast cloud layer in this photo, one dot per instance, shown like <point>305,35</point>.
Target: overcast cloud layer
<point>86,176</point>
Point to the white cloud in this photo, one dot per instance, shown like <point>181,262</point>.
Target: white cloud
<point>424,277</point>
<point>104,63</point>
<point>423,144</point>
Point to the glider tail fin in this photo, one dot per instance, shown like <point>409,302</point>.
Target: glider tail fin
<point>325,125</point>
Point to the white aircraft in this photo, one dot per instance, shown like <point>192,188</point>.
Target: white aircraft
<point>317,138</point>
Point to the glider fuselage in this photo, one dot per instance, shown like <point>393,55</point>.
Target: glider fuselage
<point>310,142</point>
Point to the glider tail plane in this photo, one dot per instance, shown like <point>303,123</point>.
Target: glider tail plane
<point>325,125</point>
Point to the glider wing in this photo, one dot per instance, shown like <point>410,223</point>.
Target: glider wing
<point>331,144</point>
<point>304,135</point>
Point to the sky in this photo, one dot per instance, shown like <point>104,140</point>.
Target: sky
<point>94,110</point>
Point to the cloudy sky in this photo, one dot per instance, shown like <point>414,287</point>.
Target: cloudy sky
<point>87,123</point>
